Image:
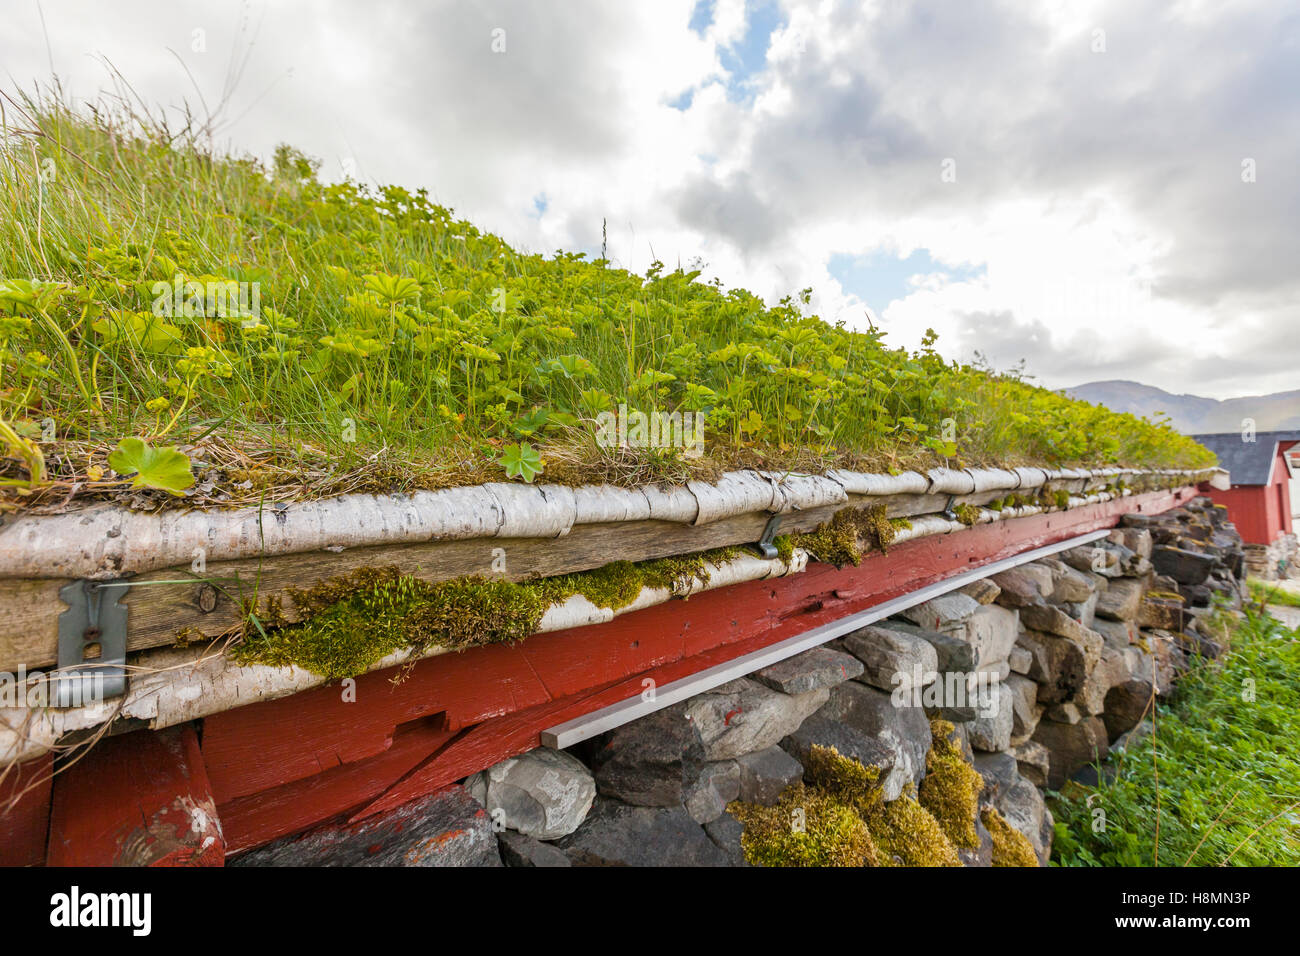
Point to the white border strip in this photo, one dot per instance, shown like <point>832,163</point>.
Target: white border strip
<point>616,715</point>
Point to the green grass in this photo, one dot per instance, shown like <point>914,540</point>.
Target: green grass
<point>1286,594</point>
<point>1219,780</point>
<point>394,345</point>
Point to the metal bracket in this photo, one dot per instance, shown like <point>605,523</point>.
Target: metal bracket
<point>94,618</point>
<point>947,511</point>
<point>765,545</point>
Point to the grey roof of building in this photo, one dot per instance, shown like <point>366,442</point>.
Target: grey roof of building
<point>1249,463</point>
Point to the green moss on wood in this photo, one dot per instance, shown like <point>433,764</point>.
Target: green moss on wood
<point>850,531</point>
<point>347,624</point>
<point>967,514</point>
<point>355,620</point>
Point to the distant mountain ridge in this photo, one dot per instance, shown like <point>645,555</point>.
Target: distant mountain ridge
<point>1194,414</point>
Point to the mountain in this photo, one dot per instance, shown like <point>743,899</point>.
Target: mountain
<point>1194,414</point>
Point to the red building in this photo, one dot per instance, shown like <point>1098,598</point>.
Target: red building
<point>1259,501</point>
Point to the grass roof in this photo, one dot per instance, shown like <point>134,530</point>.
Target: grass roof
<point>264,334</point>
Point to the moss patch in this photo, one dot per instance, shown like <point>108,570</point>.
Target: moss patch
<point>349,623</point>
<point>967,514</point>
<point>1010,846</point>
<point>807,827</point>
<point>847,780</point>
<point>357,619</point>
<point>951,788</point>
<point>906,834</point>
<point>843,538</point>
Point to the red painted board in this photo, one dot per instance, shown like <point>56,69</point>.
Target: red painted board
<point>271,743</point>
<point>253,820</point>
<point>141,799</point>
<point>25,811</point>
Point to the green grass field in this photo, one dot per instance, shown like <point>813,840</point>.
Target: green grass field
<point>294,338</point>
<point>1218,782</point>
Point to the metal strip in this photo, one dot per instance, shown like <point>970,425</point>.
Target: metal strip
<point>94,616</point>
<point>615,715</point>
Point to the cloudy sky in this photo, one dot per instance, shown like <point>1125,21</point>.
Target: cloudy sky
<point>1104,190</point>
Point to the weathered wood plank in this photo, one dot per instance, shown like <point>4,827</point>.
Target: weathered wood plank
<point>141,799</point>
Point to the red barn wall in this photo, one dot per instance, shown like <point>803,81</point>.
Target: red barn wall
<point>1261,512</point>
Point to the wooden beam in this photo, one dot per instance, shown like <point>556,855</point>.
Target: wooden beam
<point>141,799</point>
<point>163,604</point>
<point>25,811</point>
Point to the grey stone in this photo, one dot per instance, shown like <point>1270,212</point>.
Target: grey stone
<point>1052,620</point>
<point>765,775</point>
<point>520,850</point>
<point>445,828</point>
<point>999,773</point>
<point>726,832</point>
<point>993,631</point>
<point>1116,634</point>
<point>1099,558</point>
<point>1070,585</point>
<point>1060,665</point>
<point>615,834</point>
<point>820,731</point>
<point>653,761</point>
<point>980,855</point>
<point>985,591</point>
<point>718,785</point>
<point>954,654</point>
<point>811,670</point>
<point>945,613</point>
<point>1137,540</point>
<point>991,728</point>
<point>892,658</point>
<point>543,793</point>
<point>1066,712</point>
<point>1085,612</point>
<point>1033,761</point>
<point>743,716</point>
<point>1126,704</point>
<point>1019,660</point>
<point>1185,567</point>
<point>905,730</point>
<point>1025,709</point>
<point>1025,585</point>
<point>1121,600</point>
<point>1071,746</point>
<point>1022,806</point>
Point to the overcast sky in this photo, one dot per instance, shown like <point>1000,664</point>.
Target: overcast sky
<point>1067,183</point>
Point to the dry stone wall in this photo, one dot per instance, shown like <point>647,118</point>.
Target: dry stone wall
<point>1039,670</point>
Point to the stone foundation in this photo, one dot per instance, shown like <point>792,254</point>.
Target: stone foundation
<point>1264,561</point>
<point>1042,669</point>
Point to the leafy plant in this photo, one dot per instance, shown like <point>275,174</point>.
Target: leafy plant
<point>521,461</point>
<point>163,468</point>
